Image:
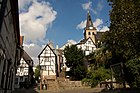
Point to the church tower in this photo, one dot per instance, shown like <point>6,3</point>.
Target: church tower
<point>90,30</point>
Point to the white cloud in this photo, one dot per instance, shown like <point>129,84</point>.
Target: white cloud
<point>87,6</point>
<point>23,4</point>
<point>98,24</point>
<point>69,43</point>
<point>36,61</point>
<point>104,29</point>
<point>82,25</point>
<point>94,11</point>
<point>35,22</point>
<point>33,50</point>
<point>35,19</point>
<point>72,41</point>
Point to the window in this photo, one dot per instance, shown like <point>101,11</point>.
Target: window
<point>92,48</point>
<point>87,47</point>
<point>93,33</point>
<point>16,81</point>
<point>21,69</point>
<point>26,69</point>
<point>88,33</point>
<point>0,3</point>
<point>89,42</point>
<point>43,67</point>
<point>3,75</point>
<point>46,51</point>
<point>21,78</point>
<point>25,73</point>
<point>26,79</point>
<point>48,59</point>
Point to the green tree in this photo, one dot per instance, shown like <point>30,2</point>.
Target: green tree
<point>123,39</point>
<point>75,61</point>
<point>97,71</point>
<point>133,72</point>
<point>37,73</point>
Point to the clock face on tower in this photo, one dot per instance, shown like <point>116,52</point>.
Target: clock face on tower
<point>90,27</point>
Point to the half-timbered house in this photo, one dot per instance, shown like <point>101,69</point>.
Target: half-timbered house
<point>24,75</point>
<point>87,45</point>
<point>50,60</point>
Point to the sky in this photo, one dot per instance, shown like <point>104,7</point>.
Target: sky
<point>58,21</point>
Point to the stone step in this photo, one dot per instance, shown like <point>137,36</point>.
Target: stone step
<point>52,85</point>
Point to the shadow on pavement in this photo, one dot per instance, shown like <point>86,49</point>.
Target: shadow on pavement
<point>23,90</point>
<point>121,90</point>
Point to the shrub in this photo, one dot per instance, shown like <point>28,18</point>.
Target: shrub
<point>95,77</point>
<point>133,72</point>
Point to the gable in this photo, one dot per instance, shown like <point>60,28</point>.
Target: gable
<point>89,41</point>
<point>47,51</point>
<point>23,63</point>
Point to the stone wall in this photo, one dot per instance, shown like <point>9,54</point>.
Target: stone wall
<point>70,84</point>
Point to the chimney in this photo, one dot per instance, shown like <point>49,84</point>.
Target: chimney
<point>51,44</point>
<point>57,47</point>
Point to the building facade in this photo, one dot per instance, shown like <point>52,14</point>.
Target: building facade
<point>9,44</point>
<point>90,30</point>
<point>87,45</point>
<point>50,61</point>
<point>24,75</point>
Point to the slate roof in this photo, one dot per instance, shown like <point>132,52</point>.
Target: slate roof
<point>27,58</point>
<point>89,22</point>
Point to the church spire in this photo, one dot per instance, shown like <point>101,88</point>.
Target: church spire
<point>89,24</point>
<point>90,30</point>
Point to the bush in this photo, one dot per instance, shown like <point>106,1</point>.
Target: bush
<point>86,82</point>
<point>133,72</point>
<point>95,77</point>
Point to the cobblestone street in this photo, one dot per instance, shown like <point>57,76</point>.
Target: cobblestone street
<point>84,90</point>
<point>34,90</point>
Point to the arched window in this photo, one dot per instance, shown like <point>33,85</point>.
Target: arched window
<point>88,33</point>
<point>93,33</point>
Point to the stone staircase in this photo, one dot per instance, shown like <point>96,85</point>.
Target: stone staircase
<point>60,79</point>
<point>52,85</point>
<point>65,84</point>
<point>61,83</point>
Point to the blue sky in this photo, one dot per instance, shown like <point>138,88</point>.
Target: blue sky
<point>58,21</point>
<point>69,14</point>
